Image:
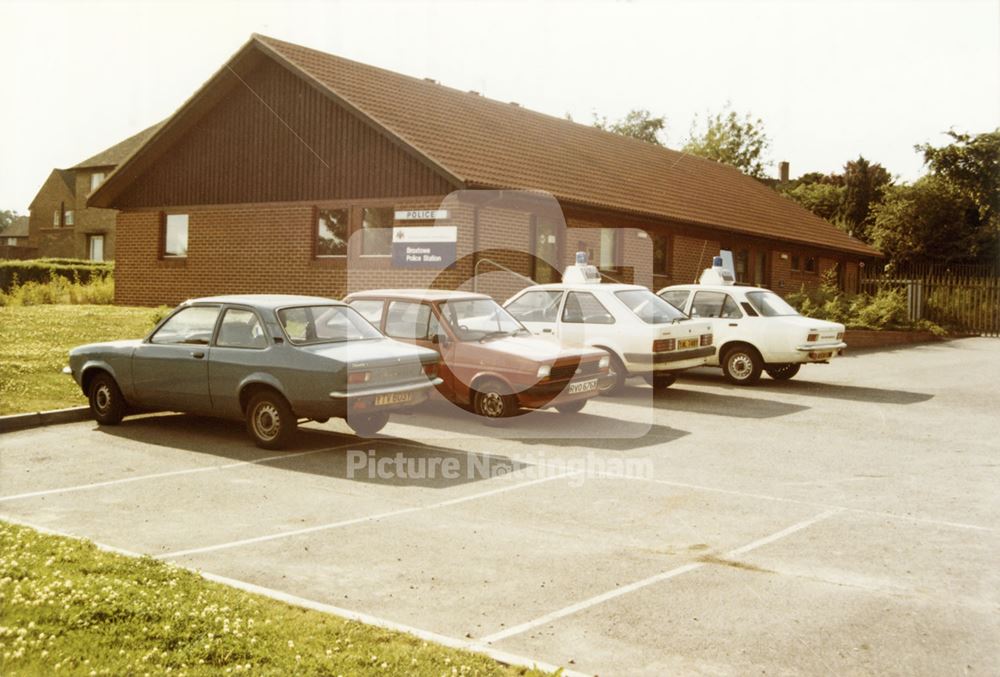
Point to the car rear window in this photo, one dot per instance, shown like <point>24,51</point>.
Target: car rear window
<point>325,324</point>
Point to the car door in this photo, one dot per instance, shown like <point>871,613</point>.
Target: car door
<point>584,319</point>
<point>170,369</point>
<point>722,311</point>
<point>241,347</point>
<point>538,310</point>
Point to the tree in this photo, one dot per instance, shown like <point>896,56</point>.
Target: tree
<point>971,166</point>
<point>637,124</point>
<point>735,140</point>
<point>7,217</point>
<point>825,200</point>
<point>864,187</point>
<point>927,221</point>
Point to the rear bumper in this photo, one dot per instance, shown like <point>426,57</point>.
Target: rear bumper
<point>674,360</point>
<point>409,394</point>
<point>821,347</point>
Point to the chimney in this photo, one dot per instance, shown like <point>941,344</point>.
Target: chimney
<point>783,171</point>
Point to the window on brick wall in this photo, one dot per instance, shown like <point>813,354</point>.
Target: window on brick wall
<point>332,232</point>
<point>96,179</point>
<point>609,248</point>
<point>57,218</point>
<point>376,231</point>
<point>810,264</point>
<point>545,247</point>
<point>68,218</point>
<point>661,254</point>
<point>175,235</point>
<point>795,262</point>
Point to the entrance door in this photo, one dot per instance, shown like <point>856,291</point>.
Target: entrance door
<point>546,250</point>
<point>96,248</point>
<point>760,269</point>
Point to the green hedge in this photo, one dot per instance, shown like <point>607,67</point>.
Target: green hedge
<point>42,270</point>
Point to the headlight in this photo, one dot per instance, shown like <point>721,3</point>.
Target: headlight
<point>605,362</point>
<point>544,371</point>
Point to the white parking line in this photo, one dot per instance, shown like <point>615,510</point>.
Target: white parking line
<point>746,494</point>
<point>666,575</point>
<point>347,614</point>
<point>171,473</point>
<point>367,518</point>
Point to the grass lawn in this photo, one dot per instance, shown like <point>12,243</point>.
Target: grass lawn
<point>34,341</point>
<point>69,608</point>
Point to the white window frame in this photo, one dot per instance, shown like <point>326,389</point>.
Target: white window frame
<point>166,234</point>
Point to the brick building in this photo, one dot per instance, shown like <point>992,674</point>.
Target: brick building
<point>288,169</point>
<point>61,225</point>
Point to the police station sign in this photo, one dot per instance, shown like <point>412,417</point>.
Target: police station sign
<point>424,246</point>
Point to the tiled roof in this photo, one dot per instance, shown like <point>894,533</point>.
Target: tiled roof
<point>17,228</point>
<point>488,143</point>
<point>111,157</point>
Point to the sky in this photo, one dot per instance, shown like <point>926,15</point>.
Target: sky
<point>830,79</point>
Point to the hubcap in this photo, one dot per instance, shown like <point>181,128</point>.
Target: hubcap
<point>492,404</point>
<point>266,421</point>
<point>102,398</point>
<point>740,366</point>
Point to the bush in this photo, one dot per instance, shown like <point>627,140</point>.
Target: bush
<point>885,310</point>
<point>98,290</point>
<point>14,272</point>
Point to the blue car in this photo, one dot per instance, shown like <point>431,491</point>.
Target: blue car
<point>269,360</point>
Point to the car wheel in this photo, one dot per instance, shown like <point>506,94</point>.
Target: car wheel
<point>107,403</point>
<point>783,372</point>
<point>492,400</point>
<point>742,365</point>
<point>659,381</point>
<point>571,407</point>
<point>616,376</point>
<point>367,425</point>
<point>270,420</point>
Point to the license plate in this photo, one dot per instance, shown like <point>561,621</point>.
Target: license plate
<point>392,398</point>
<point>821,356</point>
<point>687,343</point>
<point>582,387</point>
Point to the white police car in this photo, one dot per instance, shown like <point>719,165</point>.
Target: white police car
<point>644,335</point>
<point>755,329</point>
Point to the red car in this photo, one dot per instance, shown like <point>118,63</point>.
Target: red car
<point>489,362</point>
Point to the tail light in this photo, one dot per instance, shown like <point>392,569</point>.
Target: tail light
<point>358,377</point>
<point>664,345</point>
<point>812,337</point>
<point>431,369</point>
<point>706,340</point>
<point>840,336</point>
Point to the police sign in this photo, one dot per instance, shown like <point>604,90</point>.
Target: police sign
<point>424,246</point>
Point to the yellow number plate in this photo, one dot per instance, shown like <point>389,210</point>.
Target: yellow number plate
<point>582,387</point>
<point>392,398</point>
<point>687,343</point>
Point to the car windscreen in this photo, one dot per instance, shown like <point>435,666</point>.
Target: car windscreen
<point>649,307</point>
<point>769,304</point>
<point>476,319</point>
<point>325,324</point>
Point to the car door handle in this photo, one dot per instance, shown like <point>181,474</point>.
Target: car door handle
<point>734,324</point>
<point>546,331</point>
<point>197,354</point>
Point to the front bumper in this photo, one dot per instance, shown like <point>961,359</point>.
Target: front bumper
<point>558,392</point>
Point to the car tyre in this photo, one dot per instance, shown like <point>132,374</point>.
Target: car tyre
<point>107,403</point>
<point>270,420</point>
<point>616,376</point>
<point>367,425</point>
<point>783,372</point>
<point>574,407</point>
<point>660,381</point>
<point>492,400</point>
<point>742,365</point>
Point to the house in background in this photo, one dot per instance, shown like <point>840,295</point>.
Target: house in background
<point>14,240</point>
<point>60,223</point>
<point>290,168</point>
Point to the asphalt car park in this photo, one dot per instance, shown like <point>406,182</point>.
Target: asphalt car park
<point>841,522</point>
